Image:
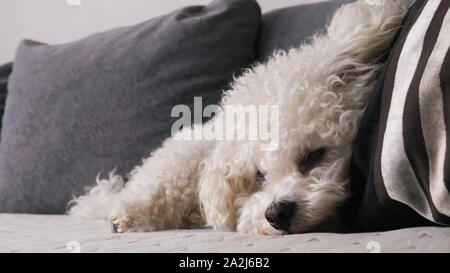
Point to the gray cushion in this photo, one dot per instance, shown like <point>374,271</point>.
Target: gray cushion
<point>104,102</point>
<point>289,27</point>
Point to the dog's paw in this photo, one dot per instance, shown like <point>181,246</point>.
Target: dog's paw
<point>122,224</point>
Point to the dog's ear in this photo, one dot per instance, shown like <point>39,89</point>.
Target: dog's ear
<point>364,31</point>
<point>361,35</point>
<point>217,197</point>
<point>224,176</point>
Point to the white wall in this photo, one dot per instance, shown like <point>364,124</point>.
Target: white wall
<point>55,21</point>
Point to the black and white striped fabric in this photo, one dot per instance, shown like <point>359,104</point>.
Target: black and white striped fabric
<point>401,161</point>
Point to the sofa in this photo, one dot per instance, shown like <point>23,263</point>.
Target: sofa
<point>34,221</point>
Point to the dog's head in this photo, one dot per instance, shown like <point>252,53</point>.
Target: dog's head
<point>321,91</point>
<point>300,185</point>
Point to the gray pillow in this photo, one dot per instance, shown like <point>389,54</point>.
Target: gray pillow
<point>104,102</point>
<point>289,27</point>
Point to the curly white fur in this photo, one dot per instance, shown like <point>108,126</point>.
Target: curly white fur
<point>321,88</point>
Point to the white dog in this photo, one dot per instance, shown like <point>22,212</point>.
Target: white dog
<point>321,90</point>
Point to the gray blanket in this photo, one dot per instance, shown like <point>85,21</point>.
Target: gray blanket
<point>51,233</point>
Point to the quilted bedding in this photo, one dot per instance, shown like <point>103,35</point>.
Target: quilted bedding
<point>58,233</point>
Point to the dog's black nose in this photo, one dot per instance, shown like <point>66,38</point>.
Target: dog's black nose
<point>280,214</point>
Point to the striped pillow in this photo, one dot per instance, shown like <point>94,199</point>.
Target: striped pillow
<point>401,158</point>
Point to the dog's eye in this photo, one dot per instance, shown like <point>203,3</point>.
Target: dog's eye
<point>306,163</point>
<point>260,177</point>
<point>314,156</point>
